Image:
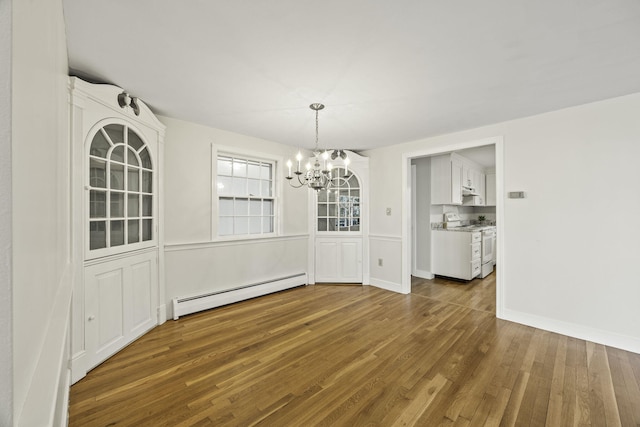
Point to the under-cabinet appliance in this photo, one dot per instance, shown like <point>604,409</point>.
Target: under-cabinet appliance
<point>469,191</point>
<point>472,201</point>
<point>488,251</point>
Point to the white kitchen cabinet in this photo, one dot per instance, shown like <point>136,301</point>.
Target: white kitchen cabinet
<point>446,180</point>
<point>456,254</point>
<point>490,189</point>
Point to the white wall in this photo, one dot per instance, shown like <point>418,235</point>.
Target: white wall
<point>196,260</point>
<point>40,174</point>
<point>564,268</point>
<point>423,211</point>
<point>6,322</point>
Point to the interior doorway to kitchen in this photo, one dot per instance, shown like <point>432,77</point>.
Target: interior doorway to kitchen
<point>420,212</point>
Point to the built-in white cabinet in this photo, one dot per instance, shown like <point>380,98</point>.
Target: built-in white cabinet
<point>446,180</point>
<point>490,189</point>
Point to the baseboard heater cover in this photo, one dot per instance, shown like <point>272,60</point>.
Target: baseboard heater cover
<point>193,304</point>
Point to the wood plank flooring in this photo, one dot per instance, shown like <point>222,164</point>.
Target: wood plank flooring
<point>360,356</point>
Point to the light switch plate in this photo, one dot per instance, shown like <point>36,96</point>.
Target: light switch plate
<point>517,195</point>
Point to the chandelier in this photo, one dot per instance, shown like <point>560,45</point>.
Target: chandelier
<point>319,169</point>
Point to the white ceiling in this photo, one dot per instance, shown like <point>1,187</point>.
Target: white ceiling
<point>387,71</point>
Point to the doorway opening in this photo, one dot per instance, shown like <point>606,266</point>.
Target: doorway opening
<point>425,205</point>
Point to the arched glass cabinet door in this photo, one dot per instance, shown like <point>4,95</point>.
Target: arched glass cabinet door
<point>338,209</point>
<point>121,191</point>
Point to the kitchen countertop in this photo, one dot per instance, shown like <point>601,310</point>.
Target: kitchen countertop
<point>469,228</point>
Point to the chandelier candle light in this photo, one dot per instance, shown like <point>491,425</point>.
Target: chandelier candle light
<point>316,176</point>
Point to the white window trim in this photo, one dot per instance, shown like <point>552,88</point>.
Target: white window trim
<point>221,150</point>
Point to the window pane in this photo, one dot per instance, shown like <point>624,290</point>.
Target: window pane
<point>147,208</point>
<point>239,167</point>
<point>332,195</point>
<point>353,182</point>
<point>147,182</point>
<point>240,225</point>
<point>224,166</point>
<point>267,207</point>
<point>226,207</point>
<point>255,225</point>
<point>115,132</point>
<point>225,226</point>
<point>241,207</point>
<point>224,185</point>
<point>322,224</point>
<point>134,140</point>
<point>333,224</point>
<point>132,157</point>
<point>147,226</point>
<point>145,159</point>
<point>97,235</point>
<point>133,205</point>
<point>117,205</point>
<point>117,176</point>
<point>322,196</point>
<point>117,233</point>
<point>333,210</point>
<point>322,209</point>
<point>133,231</point>
<point>265,171</point>
<point>355,211</point>
<point>253,170</point>
<point>97,204</point>
<point>255,207</point>
<point>99,146</point>
<point>117,155</point>
<point>97,173</point>
<point>133,177</point>
<point>239,187</point>
<point>267,224</point>
<point>254,187</point>
<point>266,189</point>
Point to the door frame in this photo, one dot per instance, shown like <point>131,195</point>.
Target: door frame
<point>406,220</point>
<point>360,167</point>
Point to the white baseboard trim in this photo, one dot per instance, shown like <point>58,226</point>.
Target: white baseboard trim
<point>384,284</point>
<point>597,336</point>
<point>423,274</point>
<point>162,314</point>
<point>78,366</point>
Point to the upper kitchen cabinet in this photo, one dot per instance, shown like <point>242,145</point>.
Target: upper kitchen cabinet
<point>446,180</point>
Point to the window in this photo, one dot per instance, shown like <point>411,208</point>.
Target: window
<point>339,208</point>
<point>246,203</point>
<point>120,189</point>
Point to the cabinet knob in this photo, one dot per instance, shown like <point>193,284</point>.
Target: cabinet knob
<point>90,318</point>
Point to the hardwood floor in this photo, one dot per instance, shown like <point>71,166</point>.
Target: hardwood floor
<point>355,356</point>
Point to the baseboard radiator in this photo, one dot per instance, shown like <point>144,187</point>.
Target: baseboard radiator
<point>193,304</point>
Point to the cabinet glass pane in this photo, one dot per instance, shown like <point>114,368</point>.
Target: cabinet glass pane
<point>225,226</point>
<point>255,225</point>
<point>97,235</point>
<point>97,173</point>
<point>133,232</point>
<point>99,146</point>
<point>133,205</point>
<point>117,205</point>
<point>117,233</point>
<point>97,204</point>
<point>147,209</point>
<point>147,225</point>
<point>224,166</point>
<point>117,155</point>
<point>133,179</point>
<point>134,140</point>
<point>241,225</point>
<point>226,206</point>
<point>117,176</point>
<point>115,132</point>
<point>147,182</point>
<point>145,158</point>
<point>132,158</point>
